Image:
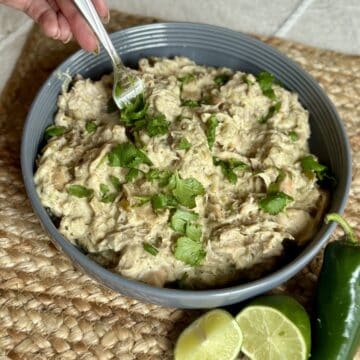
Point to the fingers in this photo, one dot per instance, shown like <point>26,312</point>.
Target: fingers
<point>102,10</point>
<point>65,31</point>
<point>43,14</point>
<point>78,26</point>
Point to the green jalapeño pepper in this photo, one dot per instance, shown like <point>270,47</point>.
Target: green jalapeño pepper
<point>337,324</point>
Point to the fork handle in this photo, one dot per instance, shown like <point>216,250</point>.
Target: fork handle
<point>87,9</point>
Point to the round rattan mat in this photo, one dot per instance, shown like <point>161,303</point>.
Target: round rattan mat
<point>49,310</point>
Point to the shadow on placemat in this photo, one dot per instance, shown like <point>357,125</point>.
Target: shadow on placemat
<point>50,310</point>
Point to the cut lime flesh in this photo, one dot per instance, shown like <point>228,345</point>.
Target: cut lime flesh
<point>215,335</point>
<point>275,327</point>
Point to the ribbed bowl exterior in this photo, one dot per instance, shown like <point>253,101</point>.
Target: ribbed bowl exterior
<point>208,45</point>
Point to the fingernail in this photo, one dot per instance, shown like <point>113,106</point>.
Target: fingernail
<point>68,39</point>
<point>97,50</point>
<point>106,19</point>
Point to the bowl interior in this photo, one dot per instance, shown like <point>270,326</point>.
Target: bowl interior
<point>206,45</point>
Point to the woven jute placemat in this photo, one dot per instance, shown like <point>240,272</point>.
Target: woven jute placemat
<point>48,309</point>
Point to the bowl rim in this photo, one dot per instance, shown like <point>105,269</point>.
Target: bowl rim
<point>107,277</point>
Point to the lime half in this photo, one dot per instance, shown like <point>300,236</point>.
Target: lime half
<point>215,335</point>
<point>275,327</point>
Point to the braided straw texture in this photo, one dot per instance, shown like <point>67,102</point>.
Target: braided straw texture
<point>49,310</point>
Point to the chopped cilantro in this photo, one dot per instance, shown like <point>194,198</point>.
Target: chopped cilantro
<point>228,168</point>
<point>275,202</point>
<point>274,186</point>
<point>142,199</point>
<point>106,196</point>
<point>156,125</point>
<point>163,176</point>
<point>187,78</point>
<point>150,249</point>
<point>189,251</point>
<point>54,130</point>
<point>266,80</point>
<point>183,144</point>
<point>309,163</point>
<point>163,201</point>
<point>127,155</point>
<point>79,191</point>
<point>193,231</point>
<point>191,103</point>
<point>90,127</point>
<point>134,110</point>
<point>180,218</point>
<point>274,109</point>
<point>221,79</point>
<point>185,190</point>
<point>131,175</point>
<point>115,182</point>
<point>293,136</point>
<point>104,189</point>
<point>211,124</point>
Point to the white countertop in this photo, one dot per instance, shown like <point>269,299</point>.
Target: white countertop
<point>330,24</point>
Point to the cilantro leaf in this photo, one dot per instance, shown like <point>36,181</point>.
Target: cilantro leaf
<point>90,127</point>
<point>79,191</point>
<point>221,79</point>
<point>115,182</point>
<point>157,125</point>
<point>131,175</point>
<point>183,144</point>
<point>185,190</point>
<point>180,218</point>
<point>275,202</point>
<point>134,110</point>
<point>191,103</point>
<point>189,251</point>
<point>54,130</point>
<point>163,176</point>
<point>228,168</point>
<point>187,78</point>
<point>104,189</point>
<point>106,196</point>
<point>266,80</point>
<point>274,109</point>
<point>163,201</point>
<point>274,186</point>
<point>142,199</point>
<point>309,163</point>
<point>150,249</point>
<point>293,136</point>
<point>127,155</point>
<point>193,231</point>
<point>211,124</point>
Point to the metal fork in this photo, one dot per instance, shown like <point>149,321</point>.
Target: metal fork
<point>126,85</point>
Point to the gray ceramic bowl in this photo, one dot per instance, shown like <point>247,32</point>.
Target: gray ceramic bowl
<point>208,45</point>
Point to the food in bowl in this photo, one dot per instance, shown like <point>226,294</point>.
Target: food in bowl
<point>200,180</point>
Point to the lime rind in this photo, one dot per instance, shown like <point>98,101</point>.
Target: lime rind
<point>282,341</point>
<point>215,335</point>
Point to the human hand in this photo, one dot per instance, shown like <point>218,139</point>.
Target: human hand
<point>60,19</point>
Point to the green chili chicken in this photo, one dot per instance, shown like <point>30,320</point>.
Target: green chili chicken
<point>198,181</point>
